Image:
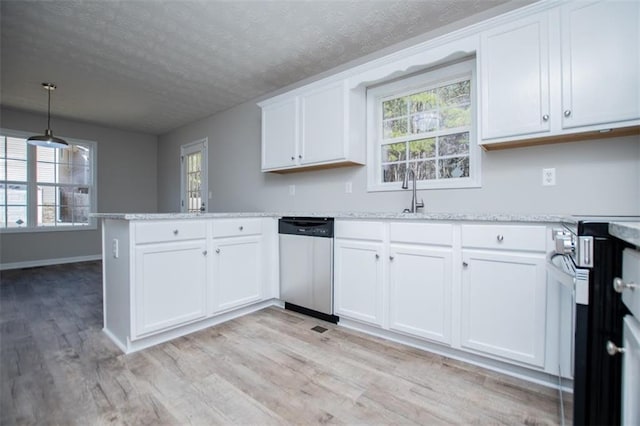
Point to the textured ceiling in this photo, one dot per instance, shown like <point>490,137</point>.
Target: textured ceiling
<point>152,66</point>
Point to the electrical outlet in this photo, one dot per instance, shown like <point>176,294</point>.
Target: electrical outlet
<point>115,248</point>
<point>549,177</point>
<point>292,190</point>
<point>348,188</point>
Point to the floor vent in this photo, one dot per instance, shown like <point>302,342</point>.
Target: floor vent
<point>319,329</point>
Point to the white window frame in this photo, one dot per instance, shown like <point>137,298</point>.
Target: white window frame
<point>405,86</point>
<point>32,187</point>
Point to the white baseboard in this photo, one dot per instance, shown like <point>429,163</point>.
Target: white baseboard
<point>48,262</point>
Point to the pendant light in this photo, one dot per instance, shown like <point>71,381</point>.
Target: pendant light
<point>48,140</point>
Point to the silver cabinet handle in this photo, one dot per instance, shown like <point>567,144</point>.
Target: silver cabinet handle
<point>500,238</point>
<point>545,117</point>
<point>613,349</point>
<point>175,232</point>
<point>217,250</point>
<point>619,285</point>
<point>465,264</point>
<point>204,253</point>
<point>567,112</point>
<point>241,227</point>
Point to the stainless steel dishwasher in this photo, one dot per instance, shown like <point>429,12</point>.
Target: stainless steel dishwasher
<point>306,266</point>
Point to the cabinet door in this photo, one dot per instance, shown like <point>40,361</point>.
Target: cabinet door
<point>514,84</point>
<point>323,124</point>
<point>358,280</point>
<point>504,305</point>
<point>600,62</point>
<point>280,134</point>
<point>631,371</point>
<point>420,291</point>
<point>237,272</point>
<point>170,286</point>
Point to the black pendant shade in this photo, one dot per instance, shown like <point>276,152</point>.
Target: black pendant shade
<point>48,140</point>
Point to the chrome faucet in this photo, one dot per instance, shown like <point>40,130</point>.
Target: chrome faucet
<point>415,205</point>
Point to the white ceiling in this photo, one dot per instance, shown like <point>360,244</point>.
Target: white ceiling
<point>152,66</point>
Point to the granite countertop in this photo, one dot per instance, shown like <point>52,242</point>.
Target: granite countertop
<point>627,231</point>
<point>471,217</point>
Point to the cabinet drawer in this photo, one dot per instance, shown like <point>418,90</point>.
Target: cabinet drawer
<point>505,237</point>
<point>236,227</point>
<point>360,230</point>
<point>157,232</point>
<point>631,275</point>
<point>421,233</point>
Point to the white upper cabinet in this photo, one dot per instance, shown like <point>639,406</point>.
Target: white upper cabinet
<point>280,134</point>
<point>515,78</point>
<point>563,71</point>
<point>312,127</point>
<point>600,62</point>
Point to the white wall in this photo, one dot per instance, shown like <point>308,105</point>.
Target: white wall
<point>127,182</point>
<point>593,177</point>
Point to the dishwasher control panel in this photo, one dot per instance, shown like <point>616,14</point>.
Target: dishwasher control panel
<point>309,226</point>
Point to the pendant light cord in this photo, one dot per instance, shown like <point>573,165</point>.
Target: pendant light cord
<point>49,110</point>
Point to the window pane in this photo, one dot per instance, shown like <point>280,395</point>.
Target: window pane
<point>425,170</point>
<point>46,154</point>
<point>457,143</point>
<point>423,148</point>
<point>454,167</point>
<point>46,172</point>
<point>456,117</point>
<point>74,204</point>
<point>394,152</point>
<point>393,172</point>
<point>395,128</point>
<point>394,108</point>
<point>455,94</point>
<point>16,216</point>
<point>423,101</point>
<point>425,122</point>
<point>16,194</point>
<point>16,148</point>
<point>17,170</point>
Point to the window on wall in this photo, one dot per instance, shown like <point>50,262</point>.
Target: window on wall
<point>424,123</point>
<point>46,188</point>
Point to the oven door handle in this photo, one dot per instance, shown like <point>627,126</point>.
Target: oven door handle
<point>562,276</point>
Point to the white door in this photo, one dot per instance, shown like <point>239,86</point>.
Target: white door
<point>358,280</point>
<point>420,291</point>
<point>280,134</point>
<point>194,177</point>
<point>323,117</point>
<point>171,285</point>
<point>600,62</point>
<point>504,302</point>
<point>237,276</point>
<point>514,72</point>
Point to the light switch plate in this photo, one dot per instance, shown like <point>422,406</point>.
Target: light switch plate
<point>348,188</point>
<point>292,190</point>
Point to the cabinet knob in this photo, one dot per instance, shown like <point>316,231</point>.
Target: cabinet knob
<point>465,264</point>
<point>293,158</point>
<point>545,117</point>
<point>500,238</point>
<point>217,250</point>
<point>175,232</point>
<point>613,349</point>
<point>619,285</point>
<point>391,257</point>
<point>567,112</point>
<point>300,157</point>
<point>204,253</point>
<point>241,227</point>
<point>377,256</point>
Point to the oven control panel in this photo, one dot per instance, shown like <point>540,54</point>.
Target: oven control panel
<point>580,248</point>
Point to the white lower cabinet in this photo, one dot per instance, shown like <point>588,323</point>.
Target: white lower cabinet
<point>504,305</point>
<point>237,272</point>
<point>358,280</point>
<point>420,291</point>
<point>171,285</point>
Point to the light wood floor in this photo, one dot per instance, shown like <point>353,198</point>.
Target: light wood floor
<point>57,367</point>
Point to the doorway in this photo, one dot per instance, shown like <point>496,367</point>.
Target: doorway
<point>194,177</point>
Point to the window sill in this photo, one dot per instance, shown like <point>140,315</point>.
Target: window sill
<point>26,230</point>
<point>397,186</point>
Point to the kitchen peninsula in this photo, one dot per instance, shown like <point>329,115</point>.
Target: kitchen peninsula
<point>167,275</point>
